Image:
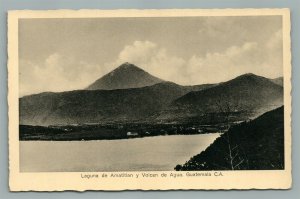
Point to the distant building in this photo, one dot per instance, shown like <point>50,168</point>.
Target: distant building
<point>132,134</point>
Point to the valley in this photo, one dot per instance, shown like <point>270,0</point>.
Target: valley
<point>113,131</point>
<point>128,113</point>
<point>138,104</point>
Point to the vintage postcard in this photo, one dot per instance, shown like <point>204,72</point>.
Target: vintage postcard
<point>149,99</point>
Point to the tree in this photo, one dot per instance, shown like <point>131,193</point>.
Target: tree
<point>235,157</point>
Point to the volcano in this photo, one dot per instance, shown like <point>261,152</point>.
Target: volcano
<point>125,76</point>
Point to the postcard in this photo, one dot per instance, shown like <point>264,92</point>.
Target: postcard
<point>177,99</point>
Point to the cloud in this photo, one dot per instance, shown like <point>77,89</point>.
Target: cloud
<point>152,58</point>
<point>221,66</point>
<point>60,73</point>
<point>139,51</point>
<point>262,59</point>
<point>56,73</point>
<point>275,41</point>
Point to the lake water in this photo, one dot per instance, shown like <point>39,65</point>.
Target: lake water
<point>160,153</point>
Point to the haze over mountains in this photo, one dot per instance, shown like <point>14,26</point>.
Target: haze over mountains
<point>130,94</point>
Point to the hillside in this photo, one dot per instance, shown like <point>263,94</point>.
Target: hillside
<point>246,96</point>
<point>243,97</point>
<point>125,76</point>
<point>278,80</point>
<point>98,106</point>
<point>254,145</point>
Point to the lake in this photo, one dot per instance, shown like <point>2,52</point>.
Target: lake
<point>159,153</point>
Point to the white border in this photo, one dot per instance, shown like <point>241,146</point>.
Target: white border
<point>60,181</point>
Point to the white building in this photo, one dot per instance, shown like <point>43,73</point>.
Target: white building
<point>132,134</point>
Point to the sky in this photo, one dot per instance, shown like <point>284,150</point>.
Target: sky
<point>69,54</point>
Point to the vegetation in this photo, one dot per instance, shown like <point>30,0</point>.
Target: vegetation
<point>252,145</point>
<point>164,102</point>
<point>112,131</point>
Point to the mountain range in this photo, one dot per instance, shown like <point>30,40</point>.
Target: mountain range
<point>245,96</point>
<point>130,94</point>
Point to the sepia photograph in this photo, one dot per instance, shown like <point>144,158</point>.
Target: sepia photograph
<point>124,92</point>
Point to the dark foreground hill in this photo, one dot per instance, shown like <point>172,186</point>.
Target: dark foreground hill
<point>125,76</point>
<point>254,145</point>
